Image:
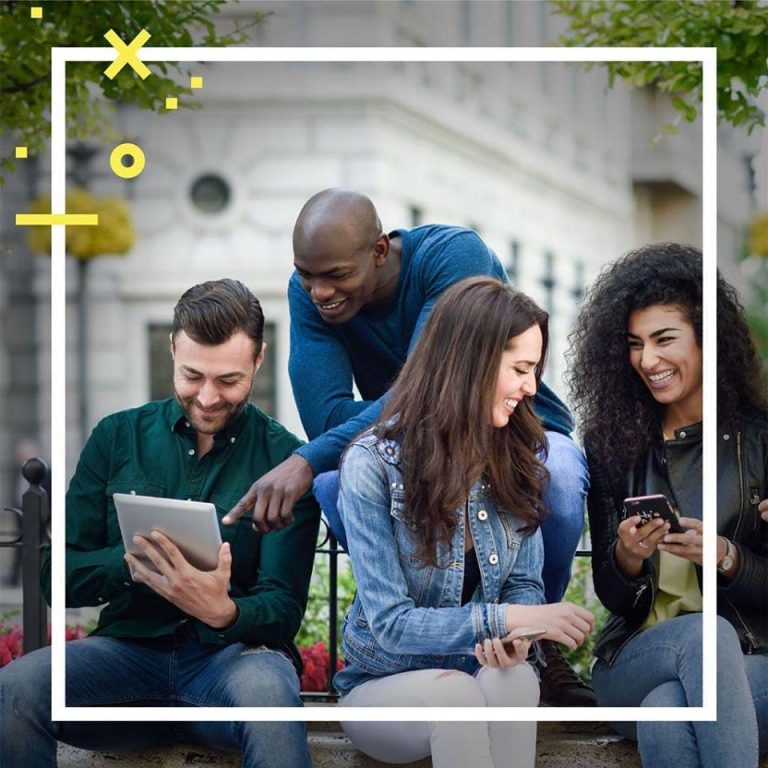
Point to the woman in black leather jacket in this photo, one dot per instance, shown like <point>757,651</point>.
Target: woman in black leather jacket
<point>636,378</point>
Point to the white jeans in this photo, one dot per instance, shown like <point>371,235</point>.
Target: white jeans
<point>451,745</point>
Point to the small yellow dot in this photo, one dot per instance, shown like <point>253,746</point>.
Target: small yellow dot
<point>36,12</point>
<point>21,153</point>
<point>171,102</point>
<point>196,82</point>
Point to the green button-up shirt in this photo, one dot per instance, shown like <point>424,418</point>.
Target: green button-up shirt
<point>152,451</point>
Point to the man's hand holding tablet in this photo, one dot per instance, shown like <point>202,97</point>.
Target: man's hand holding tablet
<point>174,547</point>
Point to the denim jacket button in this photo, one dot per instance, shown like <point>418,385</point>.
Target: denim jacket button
<point>482,515</point>
<point>493,559</point>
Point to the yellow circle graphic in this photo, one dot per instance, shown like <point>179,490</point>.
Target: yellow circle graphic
<point>127,150</point>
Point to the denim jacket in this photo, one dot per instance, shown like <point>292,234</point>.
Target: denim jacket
<point>407,615</point>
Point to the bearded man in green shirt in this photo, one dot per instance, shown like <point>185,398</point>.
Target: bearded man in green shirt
<point>180,637</point>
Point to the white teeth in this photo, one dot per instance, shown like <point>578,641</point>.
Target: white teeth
<point>510,403</point>
<point>657,378</point>
<point>330,306</point>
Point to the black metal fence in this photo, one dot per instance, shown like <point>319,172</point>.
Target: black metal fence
<point>32,538</point>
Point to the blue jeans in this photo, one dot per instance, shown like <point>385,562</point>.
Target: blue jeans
<point>564,496</point>
<point>104,671</point>
<point>661,667</point>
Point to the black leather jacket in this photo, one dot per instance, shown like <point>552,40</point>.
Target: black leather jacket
<point>742,484</point>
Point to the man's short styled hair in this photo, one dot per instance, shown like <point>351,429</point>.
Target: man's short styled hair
<point>212,312</point>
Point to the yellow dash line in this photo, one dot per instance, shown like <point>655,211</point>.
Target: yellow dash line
<point>36,219</point>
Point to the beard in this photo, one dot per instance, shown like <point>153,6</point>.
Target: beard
<point>213,420</point>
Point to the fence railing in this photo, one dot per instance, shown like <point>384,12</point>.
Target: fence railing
<point>329,546</point>
<point>35,515</point>
<point>33,537</point>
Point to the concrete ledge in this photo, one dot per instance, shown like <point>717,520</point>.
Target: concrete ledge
<point>560,745</point>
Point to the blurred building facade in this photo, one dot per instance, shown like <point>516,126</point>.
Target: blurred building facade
<point>557,172</point>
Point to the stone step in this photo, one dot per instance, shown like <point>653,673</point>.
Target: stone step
<point>560,745</point>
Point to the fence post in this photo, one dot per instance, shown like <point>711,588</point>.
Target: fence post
<point>333,607</point>
<point>34,507</point>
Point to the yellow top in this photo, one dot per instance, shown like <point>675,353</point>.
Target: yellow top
<point>678,589</point>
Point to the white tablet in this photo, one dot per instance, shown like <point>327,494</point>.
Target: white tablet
<point>191,525</point>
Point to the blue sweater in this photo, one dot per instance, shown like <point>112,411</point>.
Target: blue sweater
<point>371,348</point>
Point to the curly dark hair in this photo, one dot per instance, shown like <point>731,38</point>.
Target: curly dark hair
<point>617,415</point>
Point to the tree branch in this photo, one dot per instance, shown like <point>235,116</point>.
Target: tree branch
<point>24,86</point>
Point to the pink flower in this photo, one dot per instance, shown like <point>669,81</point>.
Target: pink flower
<point>12,639</point>
<point>14,642</point>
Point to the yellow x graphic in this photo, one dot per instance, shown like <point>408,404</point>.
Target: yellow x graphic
<point>127,54</point>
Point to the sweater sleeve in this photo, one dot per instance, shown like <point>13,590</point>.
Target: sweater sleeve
<point>272,611</point>
<point>95,568</point>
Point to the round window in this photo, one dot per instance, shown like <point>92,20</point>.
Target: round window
<point>210,193</point>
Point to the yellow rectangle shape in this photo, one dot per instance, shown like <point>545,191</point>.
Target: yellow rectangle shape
<point>36,12</point>
<point>171,102</point>
<point>73,219</point>
<point>22,153</point>
<point>196,82</point>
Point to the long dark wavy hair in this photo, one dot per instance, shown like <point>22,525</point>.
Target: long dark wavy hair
<point>440,410</point>
<point>616,413</point>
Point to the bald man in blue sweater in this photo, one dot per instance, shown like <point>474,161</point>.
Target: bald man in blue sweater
<point>358,300</point>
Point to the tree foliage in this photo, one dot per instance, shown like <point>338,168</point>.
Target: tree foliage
<point>737,28</point>
<point>114,234</point>
<point>25,61</point>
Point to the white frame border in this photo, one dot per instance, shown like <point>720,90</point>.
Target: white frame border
<point>59,59</point>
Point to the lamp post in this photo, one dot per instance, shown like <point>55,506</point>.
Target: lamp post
<point>81,173</point>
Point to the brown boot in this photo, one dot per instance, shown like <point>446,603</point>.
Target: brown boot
<point>560,685</point>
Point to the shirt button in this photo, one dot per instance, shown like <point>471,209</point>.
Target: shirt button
<point>187,423</point>
<point>232,439</point>
<point>482,515</point>
<point>133,493</point>
<point>191,451</point>
<point>682,434</point>
<point>726,437</point>
<point>493,559</point>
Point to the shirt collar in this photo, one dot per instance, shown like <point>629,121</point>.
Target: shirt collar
<point>177,422</point>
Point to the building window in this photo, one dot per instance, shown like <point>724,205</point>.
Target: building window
<point>549,282</point>
<point>513,265</point>
<point>577,292</point>
<point>210,193</point>
<point>264,393</point>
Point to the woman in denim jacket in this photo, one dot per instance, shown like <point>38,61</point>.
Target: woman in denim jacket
<point>442,503</point>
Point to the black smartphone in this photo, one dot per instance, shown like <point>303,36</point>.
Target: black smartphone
<point>651,507</point>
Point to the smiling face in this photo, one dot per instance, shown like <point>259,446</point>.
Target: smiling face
<point>212,383</point>
<point>664,351</point>
<point>340,270</point>
<point>517,374</point>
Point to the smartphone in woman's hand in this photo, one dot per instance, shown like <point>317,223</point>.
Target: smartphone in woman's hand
<point>650,507</point>
<point>523,633</point>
